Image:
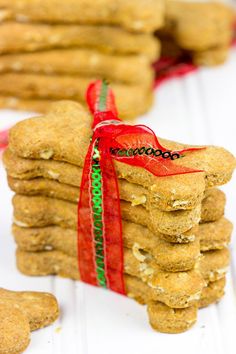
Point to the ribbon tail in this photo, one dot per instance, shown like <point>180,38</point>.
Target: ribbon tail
<point>113,241</point>
<point>86,256</point>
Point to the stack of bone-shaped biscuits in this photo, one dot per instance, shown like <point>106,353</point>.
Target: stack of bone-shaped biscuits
<point>175,234</point>
<point>52,50</point>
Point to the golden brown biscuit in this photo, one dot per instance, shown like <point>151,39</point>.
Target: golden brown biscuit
<point>212,208</point>
<point>169,257</point>
<point>211,57</point>
<point>41,309</point>
<point>212,293</point>
<point>199,26</point>
<point>55,87</point>
<point>22,312</point>
<point>69,174</point>
<point>214,264</point>
<point>28,37</point>
<point>213,205</point>
<point>135,15</point>
<point>129,69</point>
<point>168,320</point>
<point>35,106</point>
<point>39,211</point>
<point>64,135</point>
<point>14,330</point>
<point>177,290</point>
<point>215,235</point>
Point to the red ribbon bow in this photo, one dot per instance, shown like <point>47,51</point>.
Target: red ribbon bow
<point>100,246</point>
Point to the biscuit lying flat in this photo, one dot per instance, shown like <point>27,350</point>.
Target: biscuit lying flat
<point>212,293</point>
<point>31,171</point>
<point>41,309</point>
<point>70,175</point>
<point>214,264</point>
<point>167,320</point>
<point>215,235</point>
<point>211,57</point>
<point>69,127</point>
<point>212,208</point>
<point>38,211</point>
<point>14,330</point>
<point>199,26</point>
<point>213,205</point>
<point>135,15</point>
<point>20,313</point>
<point>28,37</point>
<point>131,69</point>
<point>170,257</point>
<point>55,87</point>
<point>177,290</point>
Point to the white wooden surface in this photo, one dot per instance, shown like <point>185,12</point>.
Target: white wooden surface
<point>201,109</point>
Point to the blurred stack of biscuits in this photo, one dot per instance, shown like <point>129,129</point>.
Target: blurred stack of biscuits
<point>53,49</point>
<point>202,31</point>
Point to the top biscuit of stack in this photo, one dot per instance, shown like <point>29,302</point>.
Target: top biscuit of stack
<point>64,134</point>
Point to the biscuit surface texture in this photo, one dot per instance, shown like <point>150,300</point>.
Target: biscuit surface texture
<point>135,15</point>
<point>14,330</point>
<point>41,309</point>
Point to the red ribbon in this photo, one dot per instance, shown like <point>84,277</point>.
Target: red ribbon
<point>122,142</point>
<point>3,139</point>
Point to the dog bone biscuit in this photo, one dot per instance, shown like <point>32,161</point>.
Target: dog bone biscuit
<point>28,37</point>
<point>213,205</point>
<point>135,15</point>
<point>38,211</point>
<point>22,312</point>
<point>199,26</point>
<point>32,86</point>
<point>211,57</point>
<point>215,235</point>
<point>41,309</point>
<point>24,174</point>
<point>66,173</point>
<point>168,320</point>
<point>14,330</point>
<point>175,289</point>
<point>67,139</point>
<point>212,293</point>
<point>169,257</point>
<point>214,264</point>
<point>132,69</point>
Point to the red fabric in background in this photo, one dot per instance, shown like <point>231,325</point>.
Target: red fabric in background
<point>168,68</point>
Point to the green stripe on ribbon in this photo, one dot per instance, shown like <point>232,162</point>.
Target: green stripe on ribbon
<point>96,189</point>
<point>102,105</point>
